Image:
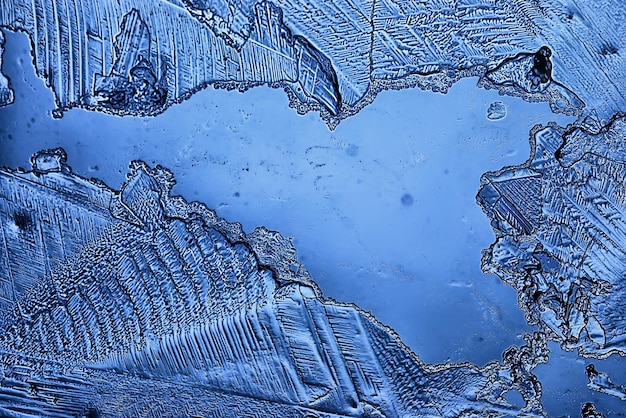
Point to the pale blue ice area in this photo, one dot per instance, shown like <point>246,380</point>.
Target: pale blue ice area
<point>382,210</point>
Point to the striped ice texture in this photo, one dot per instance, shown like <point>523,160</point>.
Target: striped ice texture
<point>139,57</point>
<point>6,94</point>
<point>561,234</point>
<point>130,302</point>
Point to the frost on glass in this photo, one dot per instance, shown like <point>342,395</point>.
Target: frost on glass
<point>602,382</point>
<point>116,303</point>
<point>561,234</point>
<point>6,94</point>
<point>589,410</point>
<point>496,111</point>
<point>530,75</point>
<point>107,297</point>
<point>139,57</point>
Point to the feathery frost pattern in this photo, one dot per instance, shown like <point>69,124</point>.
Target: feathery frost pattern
<point>139,57</point>
<point>139,296</point>
<point>561,234</point>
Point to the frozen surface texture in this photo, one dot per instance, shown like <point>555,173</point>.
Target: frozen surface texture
<point>589,410</point>
<point>139,57</point>
<point>561,234</point>
<point>116,303</point>
<point>602,382</point>
<point>496,111</point>
<point>6,94</point>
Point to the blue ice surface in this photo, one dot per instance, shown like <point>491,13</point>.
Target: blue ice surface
<point>381,210</point>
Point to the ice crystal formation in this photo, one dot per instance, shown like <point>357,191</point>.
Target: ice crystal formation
<point>496,111</point>
<point>561,234</point>
<point>589,410</point>
<point>6,94</point>
<point>120,303</point>
<point>139,57</point>
<point>602,382</point>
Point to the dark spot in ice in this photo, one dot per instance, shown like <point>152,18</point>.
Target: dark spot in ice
<point>406,200</point>
<point>589,410</point>
<point>22,220</point>
<point>542,63</point>
<point>536,295</point>
<point>541,72</point>
<point>591,370</point>
<point>546,261</point>
<point>608,49</point>
<point>92,413</point>
<point>352,150</point>
<point>237,194</point>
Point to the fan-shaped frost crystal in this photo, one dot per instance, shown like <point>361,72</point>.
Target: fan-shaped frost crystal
<point>139,296</point>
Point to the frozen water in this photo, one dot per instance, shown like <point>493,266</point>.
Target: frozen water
<point>602,382</point>
<point>560,234</point>
<point>496,111</point>
<point>280,189</point>
<point>170,297</point>
<point>139,57</point>
<point>6,94</point>
<point>330,198</point>
<point>556,217</point>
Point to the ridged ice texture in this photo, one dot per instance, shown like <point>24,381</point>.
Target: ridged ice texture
<point>6,94</point>
<point>561,234</point>
<point>136,303</point>
<point>141,56</point>
<point>138,57</point>
<point>589,410</point>
<point>602,382</point>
